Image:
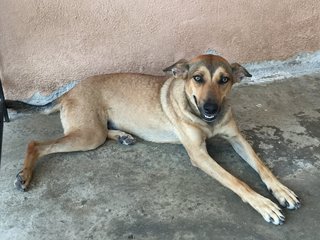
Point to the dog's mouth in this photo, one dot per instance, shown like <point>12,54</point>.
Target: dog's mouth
<point>209,117</point>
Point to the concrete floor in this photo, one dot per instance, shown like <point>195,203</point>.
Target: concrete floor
<point>151,191</point>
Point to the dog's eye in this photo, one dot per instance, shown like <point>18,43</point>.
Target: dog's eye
<point>198,78</point>
<point>224,80</point>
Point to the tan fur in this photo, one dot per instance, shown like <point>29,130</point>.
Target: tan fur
<point>163,110</point>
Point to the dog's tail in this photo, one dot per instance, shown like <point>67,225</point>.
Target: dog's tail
<point>24,107</point>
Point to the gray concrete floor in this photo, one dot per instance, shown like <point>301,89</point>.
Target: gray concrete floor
<point>151,191</point>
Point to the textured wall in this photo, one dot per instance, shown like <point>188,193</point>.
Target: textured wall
<point>45,43</point>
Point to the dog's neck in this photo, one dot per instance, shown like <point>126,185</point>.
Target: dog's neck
<point>175,102</point>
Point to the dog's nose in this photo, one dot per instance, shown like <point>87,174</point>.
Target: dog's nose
<point>210,108</point>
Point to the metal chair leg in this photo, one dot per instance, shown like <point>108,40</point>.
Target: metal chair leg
<point>1,128</point>
<point>3,115</point>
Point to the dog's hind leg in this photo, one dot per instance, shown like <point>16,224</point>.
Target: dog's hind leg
<point>83,130</point>
<point>80,140</point>
<point>121,137</point>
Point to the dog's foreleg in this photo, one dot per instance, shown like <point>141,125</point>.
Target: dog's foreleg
<point>201,159</point>
<point>285,196</point>
<point>193,140</point>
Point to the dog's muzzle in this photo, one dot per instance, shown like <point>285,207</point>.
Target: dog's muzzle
<point>209,111</point>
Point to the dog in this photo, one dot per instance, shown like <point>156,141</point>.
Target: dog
<point>187,108</point>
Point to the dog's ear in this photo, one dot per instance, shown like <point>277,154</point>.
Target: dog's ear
<point>239,72</point>
<point>179,69</point>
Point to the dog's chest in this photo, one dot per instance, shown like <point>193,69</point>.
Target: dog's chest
<point>154,131</point>
<point>159,136</point>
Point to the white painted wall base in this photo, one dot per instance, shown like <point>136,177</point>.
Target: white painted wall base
<point>262,72</point>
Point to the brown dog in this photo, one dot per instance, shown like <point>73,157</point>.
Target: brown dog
<point>187,108</point>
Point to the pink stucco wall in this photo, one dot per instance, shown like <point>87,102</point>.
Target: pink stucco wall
<point>45,44</point>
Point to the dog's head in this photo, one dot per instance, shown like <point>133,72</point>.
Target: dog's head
<point>209,79</point>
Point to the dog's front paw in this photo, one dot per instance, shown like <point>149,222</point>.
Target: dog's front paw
<point>126,140</point>
<point>285,196</point>
<point>22,180</point>
<point>270,211</point>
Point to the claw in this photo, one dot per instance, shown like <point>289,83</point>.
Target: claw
<point>126,140</point>
<point>286,203</point>
<point>19,185</point>
<point>19,182</point>
<point>271,220</point>
<point>297,205</point>
<point>19,178</point>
